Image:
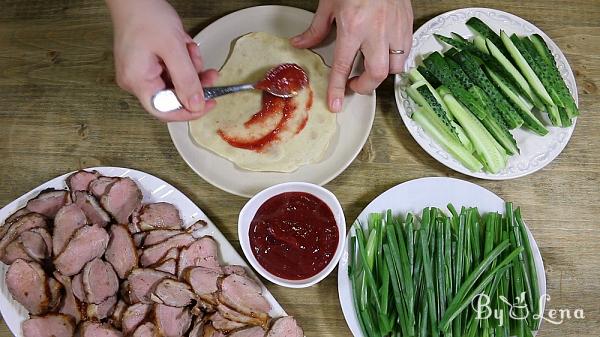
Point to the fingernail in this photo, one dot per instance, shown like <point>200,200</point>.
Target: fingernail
<point>195,103</point>
<point>336,105</point>
<point>296,39</point>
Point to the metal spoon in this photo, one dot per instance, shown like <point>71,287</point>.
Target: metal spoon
<point>166,100</point>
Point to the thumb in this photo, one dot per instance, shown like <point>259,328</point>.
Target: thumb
<point>318,29</point>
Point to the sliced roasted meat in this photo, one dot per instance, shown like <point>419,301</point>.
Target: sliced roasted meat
<point>95,329</point>
<point>99,281</point>
<point>99,186</point>
<point>210,331</point>
<point>95,214</point>
<point>223,324</point>
<point>197,328</point>
<point>173,293</point>
<point>70,305</point>
<point>159,235</point>
<point>88,243</point>
<point>35,244</point>
<point>67,221</point>
<point>285,327</point>
<point>55,290</point>
<point>196,226</point>
<point>80,180</point>
<point>171,321</point>
<point>48,202</point>
<point>168,266</point>
<point>235,316</point>
<point>117,315</point>
<point>14,251</point>
<point>142,282</point>
<point>138,238</point>
<point>133,316</point>
<point>254,331</point>
<point>243,295</point>
<point>121,251</point>
<point>51,325</point>
<point>155,253</point>
<point>234,269</point>
<point>160,215</point>
<point>121,199</point>
<point>77,286</point>
<point>203,282</point>
<point>203,252</point>
<point>23,224</point>
<point>147,329</point>
<point>102,310</point>
<point>27,283</point>
<point>19,213</point>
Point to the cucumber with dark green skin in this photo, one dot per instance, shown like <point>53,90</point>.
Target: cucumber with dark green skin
<point>474,71</point>
<point>496,126</point>
<point>486,32</point>
<point>428,76</point>
<point>440,69</point>
<point>486,59</point>
<point>459,73</point>
<point>564,118</point>
<point>538,48</point>
<point>529,120</point>
<point>436,107</point>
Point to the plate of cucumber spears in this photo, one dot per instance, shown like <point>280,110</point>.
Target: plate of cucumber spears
<point>487,94</point>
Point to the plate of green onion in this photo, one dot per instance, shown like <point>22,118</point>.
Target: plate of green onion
<point>441,257</point>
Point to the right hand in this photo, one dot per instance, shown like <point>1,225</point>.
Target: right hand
<point>150,45</point>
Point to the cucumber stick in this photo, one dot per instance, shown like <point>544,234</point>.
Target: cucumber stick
<point>487,33</point>
<point>428,76</point>
<point>440,69</point>
<point>479,43</point>
<point>479,135</point>
<point>437,130</point>
<point>473,70</point>
<point>515,74</point>
<point>415,76</point>
<point>426,97</point>
<point>529,120</point>
<point>526,70</point>
<point>540,52</point>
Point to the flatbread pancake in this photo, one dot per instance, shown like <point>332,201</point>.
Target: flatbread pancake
<point>293,133</point>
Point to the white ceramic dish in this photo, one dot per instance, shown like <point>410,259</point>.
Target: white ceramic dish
<point>249,210</point>
<point>354,122</point>
<point>413,196</point>
<point>154,190</point>
<point>536,151</point>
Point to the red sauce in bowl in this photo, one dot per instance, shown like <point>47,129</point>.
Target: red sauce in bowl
<point>294,235</point>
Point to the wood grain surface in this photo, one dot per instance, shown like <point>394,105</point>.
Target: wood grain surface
<point>61,110</point>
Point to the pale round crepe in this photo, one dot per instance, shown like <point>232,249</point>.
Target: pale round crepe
<point>252,56</point>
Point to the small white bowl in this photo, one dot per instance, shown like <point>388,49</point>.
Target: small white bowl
<point>249,211</point>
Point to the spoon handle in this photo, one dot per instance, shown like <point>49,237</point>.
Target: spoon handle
<point>166,100</point>
<point>229,89</point>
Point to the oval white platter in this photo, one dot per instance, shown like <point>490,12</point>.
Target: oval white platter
<point>354,121</point>
<point>154,190</point>
<point>413,196</point>
<point>536,151</point>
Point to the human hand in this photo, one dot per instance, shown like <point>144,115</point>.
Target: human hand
<point>372,26</point>
<point>151,47</point>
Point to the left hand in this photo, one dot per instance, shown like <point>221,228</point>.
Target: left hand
<point>373,27</point>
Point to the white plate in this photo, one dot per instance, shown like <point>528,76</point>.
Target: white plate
<point>154,190</point>
<point>354,122</point>
<point>536,151</point>
<point>413,196</point>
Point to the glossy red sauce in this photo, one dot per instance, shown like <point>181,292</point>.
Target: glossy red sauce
<point>286,77</point>
<point>294,235</point>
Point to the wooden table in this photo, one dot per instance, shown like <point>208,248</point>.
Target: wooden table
<point>60,110</point>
